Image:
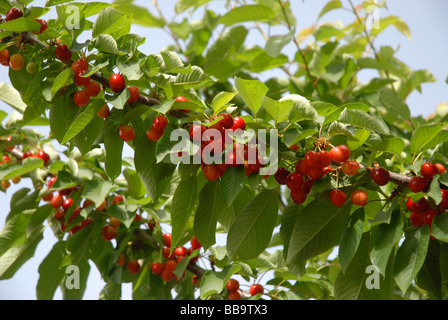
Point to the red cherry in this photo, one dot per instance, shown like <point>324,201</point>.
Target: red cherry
<point>121,260</point>
<point>338,197</point>
<point>234,295</point>
<point>350,168</point>
<point>428,170</point>
<point>16,62</point>
<point>157,267</point>
<point>109,232</point>
<point>43,155</point>
<point>63,53</point>
<point>340,153</point>
<point>134,94</point>
<point>256,289</point>
<point>180,251</point>
<point>170,265</point>
<point>381,176</point>
<point>294,147</point>
<point>440,167</point>
<point>418,184</point>
<point>302,168</point>
<point>27,154</point>
<point>167,275</point>
<point>81,98</point>
<point>67,204</point>
<point>117,82</point>
<point>359,197</point>
<point>308,184</point>
<point>238,123</point>
<point>153,134</point>
<point>324,158</point>
<point>226,121</point>
<point>51,181</point>
<point>428,216</point>
<point>444,203</point>
<point>13,13</point>
<point>232,285</point>
<point>281,175</point>
<point>195,244</point>
<point>118,198</point>
<point>181,98</point>
<point>211,172</point>
<point>409,204</point>
<point>43,25</point>
<point>80,65</point>
<point>126,132</point>
<point>160,122</point>
<point>79,80</point>
<point>294,180</point>
<point>312,159</point>
<point>298,195</point>
<point>196,132</point>
<point>416,219</point>
<point>133,266</point>
<point>56,201</point>
<point>167,239</point>
<point>59,214</point>
<point>93,88</point>
<point>4,56</point>
<point>166,253</point>
<point>104,112</point>
<point>316,173</point>
<point>421,206</point>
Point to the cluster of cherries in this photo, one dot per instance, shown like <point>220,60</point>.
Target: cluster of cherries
<point>233,286</point>
<point>165,268</point>
<point>423,211</point>
<point>5,182</point>
<point>313,167</point>
<point>16,61</point>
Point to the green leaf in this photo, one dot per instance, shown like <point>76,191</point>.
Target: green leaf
<point>182,5</point>
<point>11,96</point>
<point>210,207</point>
<point>232,182</point>
<point>410,257</point>
<point>326,32</point>
<point>429,277</point>
<point>97,190</point>
<point>135,184</point>
<point>113,22</point>
<point>393,145</point>
<point>214,282</point>
<point>276,43</point>
<point>252,92</point>
<point>386,236</point>
<point>332,5</point>
<point>351,238</point>
<point>16,169</point>
<point>439,228</point>
<point>106,43</point>
<point>21,24</point>
<point>362,119</point>
<point>140,15</point>
<point>252,229</point>
<point>51,272</point>
<point>113,144</point>
<point>221,100</point>
<point>82,120</point>
<point>183,204</point>
<point>423,134</point>
<point>302,109</point>
<point>61,81</point>
<point>247,13</point>
<point>278,110</point>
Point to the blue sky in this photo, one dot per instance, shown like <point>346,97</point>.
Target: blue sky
<point>427,50</point>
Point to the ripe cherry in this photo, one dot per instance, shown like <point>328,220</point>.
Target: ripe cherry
<point>256,289</point>
<point>211,172</point>
<point>421,206</point>
<point>440,167</point>
<point>43,25</point>
<point>195,244</point>
<point>153,134</point>
<point>166,253</point>
<point>104,111</point>
<point>294,147</point>
<point>409,204</point>
<point>59,214</point>
<point>324,158</point>
<point>180,251</point>
<point>92,88</point>
<point>232,285</point>
<point>350,168</point>
<point>428,170</point>
<point>121,260</point>
<point>281,175</point>
<point>133,266</point>
<point>381,176</point>
<point>181,98</point>
<point>157,267</point>
<point>80,65</point>
<point>167,275</point>
<point>337,197</point>
<point>126,132</point>
<point>16,62</point>
<point>160,122</point>
<point>444,203</point>
<point>43,155</point>
<point>294,180</point>
<point>196,132</point>
<point>416,219</point>
<point>134,94</point>
<point>56,201</point>
<point>238,123</point>
<point>428,216</point>
<point>340,153</point>
<point>81,98</point>
<point>118,199</point>
<point>302,168</point>
<point>13,13</point>
<point>170,265</point>
<point>298,195</point>
<point>114,222</point>
<point>167,239</point>
<point>4,56</point>
<point>316,173</point>
<point>109,232</point>
<point>27,154</point>
<point>234,295</point>
<point>117,82</point>
<point>79,79</point>
<point>67,203</point>
<point>418,184</point>
<point>359,197</point>
<point>63,53</point>
<point>51,181</point>
<point>312,159</point>
<point>226,121</point>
